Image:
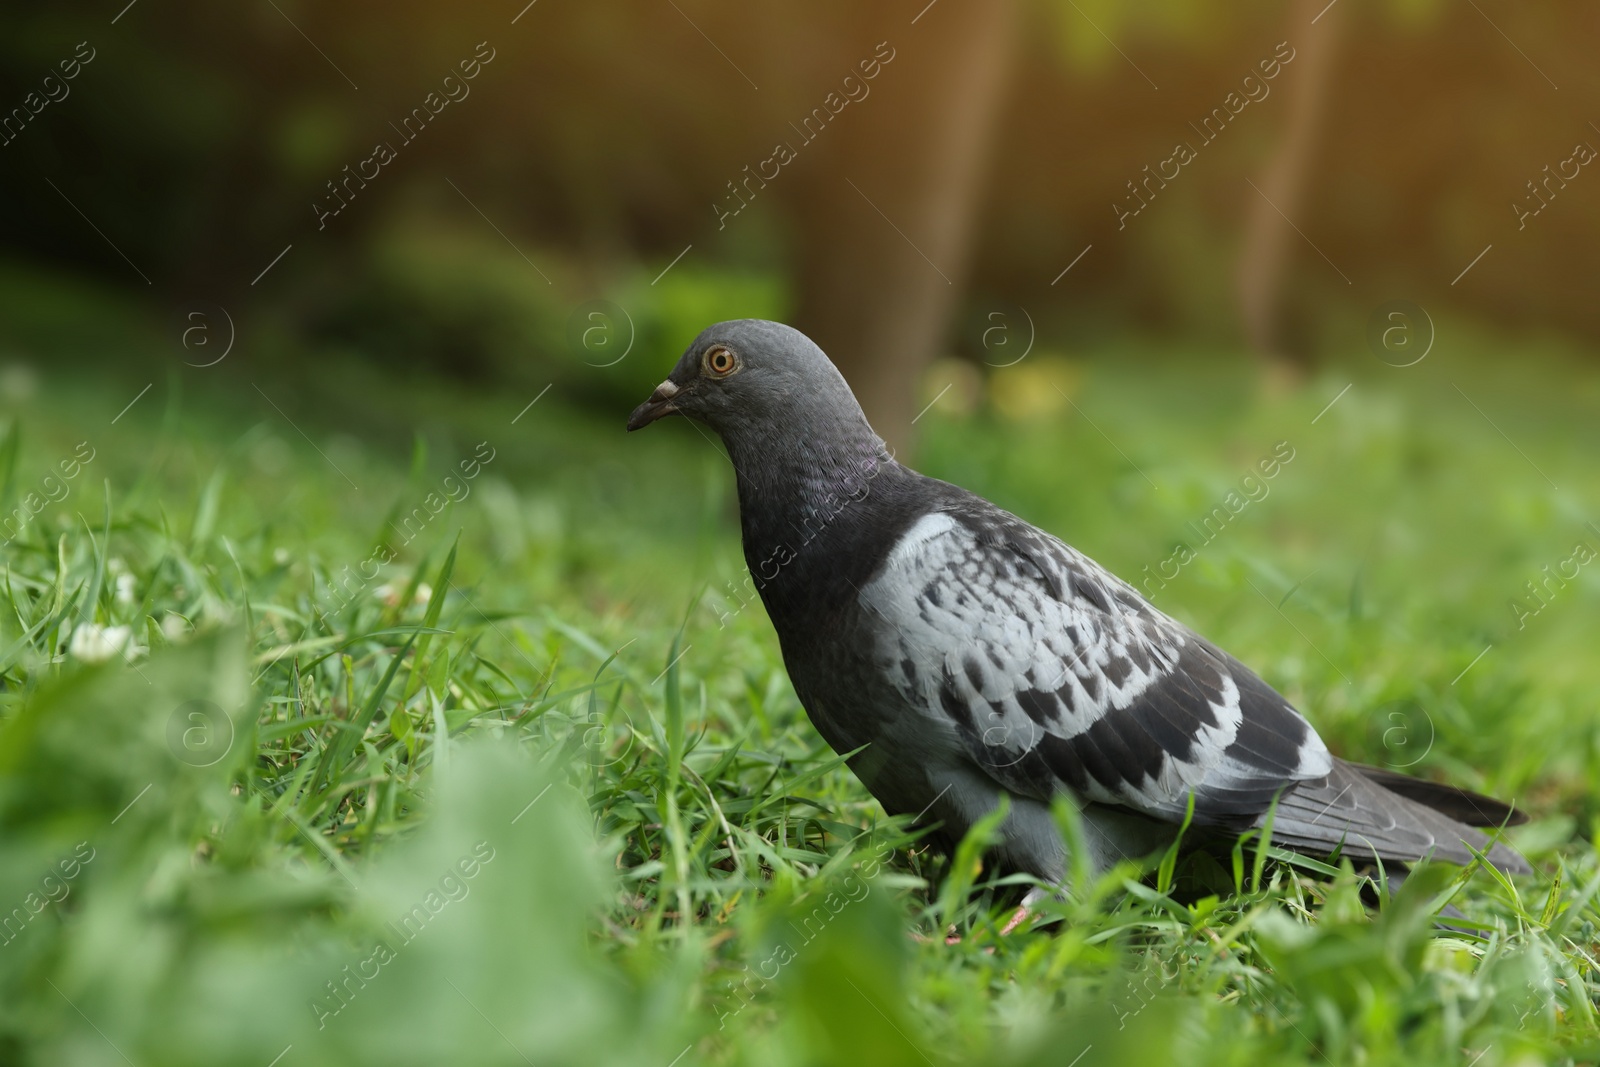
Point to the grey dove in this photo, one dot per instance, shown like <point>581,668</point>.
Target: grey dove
<point>968,654</point>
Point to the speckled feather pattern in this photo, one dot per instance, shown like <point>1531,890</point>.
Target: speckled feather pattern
<point>1055,671</point>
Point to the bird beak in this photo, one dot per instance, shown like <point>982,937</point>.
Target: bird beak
<point>659,405</point>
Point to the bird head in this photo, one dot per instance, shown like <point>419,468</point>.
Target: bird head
<point>749,377</point>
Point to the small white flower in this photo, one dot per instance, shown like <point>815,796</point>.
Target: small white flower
<point>174,627</point>
<point>94,643</point>
<point>125,587</point>
<point>280,556</point>
<point>424,593</point>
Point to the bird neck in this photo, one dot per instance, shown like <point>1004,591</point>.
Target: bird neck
<point>799,496</point>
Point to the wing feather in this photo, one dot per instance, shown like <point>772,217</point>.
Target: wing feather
<point>1055,672</point>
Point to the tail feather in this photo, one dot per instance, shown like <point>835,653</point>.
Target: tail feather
<point>1347,808</point>
<point>1462,805</point>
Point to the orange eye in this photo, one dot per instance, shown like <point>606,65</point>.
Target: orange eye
<point>720,361</point>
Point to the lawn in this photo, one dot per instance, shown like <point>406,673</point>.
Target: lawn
<point>350,720</point>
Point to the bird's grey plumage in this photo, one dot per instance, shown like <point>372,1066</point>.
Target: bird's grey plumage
<point>973,654</point>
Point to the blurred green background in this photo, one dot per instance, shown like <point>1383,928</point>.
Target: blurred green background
<point>330,567</point>
<point>903,182</point>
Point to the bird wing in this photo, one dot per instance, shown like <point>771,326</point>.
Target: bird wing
<point>1056,672</point>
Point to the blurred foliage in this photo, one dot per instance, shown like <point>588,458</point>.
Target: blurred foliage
<point>591,150</point>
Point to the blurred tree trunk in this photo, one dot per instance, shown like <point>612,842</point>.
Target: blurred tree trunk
<point>1269,239</point>
<point>887,216</point>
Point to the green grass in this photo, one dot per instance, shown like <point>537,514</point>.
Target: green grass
<point>548,734</point>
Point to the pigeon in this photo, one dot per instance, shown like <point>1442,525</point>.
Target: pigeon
<point>959,655</point>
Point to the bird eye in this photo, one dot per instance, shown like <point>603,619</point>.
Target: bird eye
<point>720,361</point>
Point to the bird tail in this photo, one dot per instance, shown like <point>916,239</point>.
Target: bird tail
<point>1462,805</point>
<point>1367,811</point>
